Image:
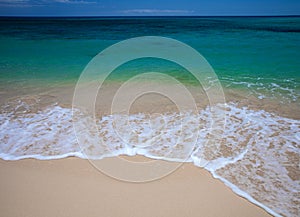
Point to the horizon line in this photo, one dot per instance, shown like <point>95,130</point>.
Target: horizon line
<point>103,16</point>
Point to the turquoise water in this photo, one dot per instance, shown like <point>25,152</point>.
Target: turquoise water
<point>259,54</point>
<point>255,153</point>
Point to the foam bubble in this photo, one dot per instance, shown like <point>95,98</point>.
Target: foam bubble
<point>256,153</point>
<point>286,91</point>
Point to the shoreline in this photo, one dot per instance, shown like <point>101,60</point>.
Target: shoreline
<point>62,95</point>
<point>73,187</point>
<point>29,113</point>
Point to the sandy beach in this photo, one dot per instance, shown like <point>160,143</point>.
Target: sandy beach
<point>73,187</point>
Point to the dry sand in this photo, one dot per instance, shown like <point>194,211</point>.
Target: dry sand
<point>73,187</point>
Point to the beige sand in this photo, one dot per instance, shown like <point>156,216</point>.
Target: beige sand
<point>72,187</point>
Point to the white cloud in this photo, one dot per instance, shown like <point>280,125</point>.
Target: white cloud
<point>74,1</point>
<point>15,3</point>
<point>33,3</point>
<point>155,11</point>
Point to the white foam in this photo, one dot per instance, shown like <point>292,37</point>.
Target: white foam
<point>271,88</point>
<point>252,154</point>
<point>265,161</point>
<point>244,194</point>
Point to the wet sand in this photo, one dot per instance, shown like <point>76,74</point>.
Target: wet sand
<point>63,94</point>
<point>73,187</point>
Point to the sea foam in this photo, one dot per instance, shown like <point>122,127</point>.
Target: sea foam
<point>255,153</point>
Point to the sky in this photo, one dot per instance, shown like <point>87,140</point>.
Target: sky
<point>148,7</point>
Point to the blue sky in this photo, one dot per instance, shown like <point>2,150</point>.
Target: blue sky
<point>148,7</point>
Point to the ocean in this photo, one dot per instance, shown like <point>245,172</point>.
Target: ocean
<point>256,60</point>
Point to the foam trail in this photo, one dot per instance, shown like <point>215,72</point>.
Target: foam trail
<point>244,194</point>
<point>256,153</point>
